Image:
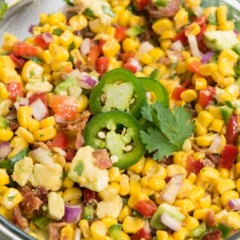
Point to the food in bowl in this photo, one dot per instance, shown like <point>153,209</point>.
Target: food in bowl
<point>119,120</point>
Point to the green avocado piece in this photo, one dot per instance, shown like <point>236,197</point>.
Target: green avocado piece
<point>115,231</point>
<point>220,40</point>
<point>3,122</point>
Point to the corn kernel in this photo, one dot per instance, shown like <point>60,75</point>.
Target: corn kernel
<point>188,95</point>
<point>208,69</point>
<point>161,25</point>
<point>66,233</point>
<point>6,134</point>
<point>209,174</point>
<point>181,234</point>
<point>205,140</point>
<point>175,169</point>
<point>67,183</point>
<point>165,44</point>
<point>111,48</point>
<point>162,235</point>
<point>156,183</point>
<point>205,118</point>
<point>84,227</point>
<point>180,18</point>
<point>132,224</point>
<point>228,26</point>
<point>225,185</point>
<point>109,221</point>
<point>45,134</point>
<point>233,220</point>
<point>4,178</point>
<point>8,75</point>
<point>98,230</point>
<point>73,193</point>
<point>124,17</point>
<point>78,22</point>
<point>135,198</point>
<point>56,18</point>
<point>185,205</point>
<point>11,198</point>
<point>126,211</point>
<point>205,202</point>
<point>47,122</point>
<point>191,222</point>
<point>130,44</point>
<point>200,129</point>
<point>186,188</point>
<point>149,164</point>
<point>225,68</point>
<point>196,193</point>
<point>228,195</point>
<point>216,125</point>
<point>201,213</point>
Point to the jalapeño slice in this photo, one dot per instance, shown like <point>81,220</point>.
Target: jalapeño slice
<point>119,133</point>
<point>120,90</point>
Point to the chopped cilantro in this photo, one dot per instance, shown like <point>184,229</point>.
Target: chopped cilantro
<point>69,2</point>
<point>11,198</point>
<point>57,31</point>
<point>3,53</point>
<point>89,13</point>
<point>71,46</point>
<point>31,74</point>
<point>79,168</point>
<point>212,19</point>
<point>161,3</point>
<point>169,131</point>
<point>36,60</point>
<point>3,8</point>
<point>107,10</point>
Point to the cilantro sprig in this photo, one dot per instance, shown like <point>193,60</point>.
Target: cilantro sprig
<point>3,8</point>
<point>168,131</point>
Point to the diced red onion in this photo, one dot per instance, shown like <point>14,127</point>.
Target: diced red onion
<point>177,46</point>
<point>77,235</point>
<point>170,222</point>
<point>85,46</point>
<point>47,37</point>
<point>5,149</point>
<point>194,46</point>
<point>145,47</point>
<point>30,29</point>
<point>60,119</point>
<point>234,204</point>
<point>72,213</point>
<point>21,102</point>
<point>136,63</point>
<point>87,81</point>
<point>171,190</point>
<point>215,146</point>
<point>206,57</point>
<point>40,111</point>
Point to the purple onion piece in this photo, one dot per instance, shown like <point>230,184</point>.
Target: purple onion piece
<point>5,149</point>
<point>234,204</point>
<point>72,213</point>
<point>87,81</point>
<point>207,57</point>
<point>47,37</point>
<point>30,29</point>
<point>170,222</point>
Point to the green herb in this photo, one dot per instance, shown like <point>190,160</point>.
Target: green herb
<point>69,2</point>
<point>11,198</point>
<point>70,59</point>
<point>31,74</point>
<point>107,10</point>
<point>173,65</point>
<point>3,53</point>
<point>212,19</point>
<point>3,8</point>
<point>134,31</point>
<point>226,231</point>
<point>71,46</point>
<point>156,74</point>
<point>209,3</point>
<point>170,129</point>
<point>161,3</point>
<point>41,221</point>
<point>36,60</point>
<point>89,13</point>
<point>57,31</point>
<point>79,168</point>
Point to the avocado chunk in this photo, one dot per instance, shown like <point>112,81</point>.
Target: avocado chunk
<point>220,40</point>
<point>115,231</point>
<point>3,122</point>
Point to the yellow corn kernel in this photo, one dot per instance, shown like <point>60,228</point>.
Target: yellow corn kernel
<point>205,202</point>
<point>98,230</point>
<point>84,227</point>
<point>205,118</point>
<point>124,17</point>
<point>47,57</point>
<point>8,75</point>
<point>24,113</point>
<point>208,69</point>
<point>66,233</point>
<point>8,41</point>
<point>6,61</point>
<point>109,221</point>
<point>228,26</point>
<point>156,53</point>
<point>124,236</point>
<point>200,129</point>
<point>186,188</point>
<point>209,174</point>
<point>181,234</point>
<point>188,95</point>
<point>47,122</point>
<point>134,184</point>
<point>149,164</point>
<point>31,71</point>
<point>135,198</point>
<point>3,91</point>
<point>192,3</point>
<point>78,22</point>
<point>216,125</point>
<point>205,140</point>
<point>58,53</point>
<point>162,235</point>
<point>193,29</point>
<point>132,224</point>
<point>168,34</point>
<point>124,184</point>
<point>215,111</point>
<point>6,213</point>
<point>238,185</point>
<point>45,134</point>
<point>196,193</point>
<point>198,155</point>
<point>180,158</point>
<point>73,193</point>
<point>111,48</point>
<point>200,83</point>
<point>114,174</point>
<point>110,192</point>
<point>224,172</point>
<point>138,167</point>
<point>67,183</point>
<point>96,26</point>
<point>6,134</point>
<point>126,211</point>
<point>145,58</point>
<point>225,185</point>
<point>56,18</point>
<point>161,25</point>
<point>165,44</point>
<point>43,17</point>
<point>191,222</point>
<point>229,56</point>
<point>228,195</point>
<point>130,44</point>
<point>4,178</point>
<point>33,125</point>
<point>233,220</point>
<point>215,208</point>
<point>185,205</point>
<point>18,143</point>
<point>25,134</point>
<point>221,15</point>
<point>225,68</point>
<point>144,181</point>
<point>156,183</point>
<point>66,38</point>
<point>201,213</point>
<point>181,68</point>
<point>225,81</point>
<point>11,198</point>
<point>175,169</point>
<point>192,177</point>
<point>180,18</point>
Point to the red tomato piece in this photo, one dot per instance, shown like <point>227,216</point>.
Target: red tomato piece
<point>141,4</point>
<point>65,107</point>
<point>14,90</point>
<point>176,94</point>
<point>102,65</point>
<point>182,37</point>
<point>130,67</point>
<point>70,154</point>
<point>143,233</point>
<point>125,57</point>
<point>24,50</point>
<point>88,195</point>
<point>194,166</point>
<point>232,130</point>
<point>100,44</point>
<point>120,33</point>
<point>41,41</point>
<point>60,141</point>
<point>35,96</point>
<point>206,96</point>
<point>19,61</point>
<point>93,55</point>
<point>194,67</point>
<point>146,208</point>
<point>229,156</point>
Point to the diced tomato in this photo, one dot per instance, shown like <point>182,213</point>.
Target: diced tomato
<point>182,37</point>
<point>93,55</point>
<point>102,65</point>
<point>14,90</point>
<point>146,208</point>
<point>19,61</point>
<point>177,93</point>
<point>24,50</point>
<point>125,57</point>
<point>206,96</point>
<point>229,156</point>
<point>65,107</point>
<point>100,45</point>
<point>130,67</point>
<point>70,154</point>
<point>232,130</point>
<point>43,41</point>
<point>141,4</point>
<point>60,141</point>
<point>143,233</point>
<point>88,195</point>
<point>120,33</point>
<point>41,95</point>
<point>194,67</point>
<point>200,20</point>
<point>194,166</point>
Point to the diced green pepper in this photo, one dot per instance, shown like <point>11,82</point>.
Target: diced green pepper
<point>226,113</point>
<point>115,231</point>
<point>88,213</point>
<point>3,122</point>
<point>198,231</point>
<point>41,221</point>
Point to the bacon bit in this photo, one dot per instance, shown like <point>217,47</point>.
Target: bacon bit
<point>70,154</point>
<point>88,195</point>
<point>41,193</point>
<point>214,235</point>
<point>13,125</point>
<point>18,219</point>
<point>210,218</point>
<point>102,159</point>
<point>214,158</point>
<point>54,230</point>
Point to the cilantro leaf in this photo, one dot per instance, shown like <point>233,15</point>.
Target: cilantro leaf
<point>3,8</point>
<point>69,2</point>
<point>171,129</point>
<point>79,168</point>
<point>107,10</point>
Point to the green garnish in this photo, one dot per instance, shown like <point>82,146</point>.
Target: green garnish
<point>57,31</point>
<point>169,129</point>
<point>107,10</point>
<point>11,198</point>
<point>79,168</point>
<point>3,8</point>
<point>89,13</point>
<point>69,2</point>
